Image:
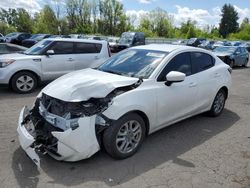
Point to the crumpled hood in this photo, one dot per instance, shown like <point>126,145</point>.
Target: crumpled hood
<point>85,84</point>
<point>19,56</point>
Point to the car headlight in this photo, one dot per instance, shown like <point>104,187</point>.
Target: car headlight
<point>6,62</point>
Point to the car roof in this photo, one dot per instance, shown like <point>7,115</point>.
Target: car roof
<point>76,40</point>
<point>164,47</point>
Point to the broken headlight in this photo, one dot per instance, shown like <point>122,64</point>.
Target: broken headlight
<point>75,109</point>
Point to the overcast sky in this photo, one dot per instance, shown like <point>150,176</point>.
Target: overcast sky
<point>204,12</point>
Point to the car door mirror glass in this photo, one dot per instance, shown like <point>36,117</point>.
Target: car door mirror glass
<point>50,52</point>
<point>174,76</point>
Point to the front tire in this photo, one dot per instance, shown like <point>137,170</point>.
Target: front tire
<point>23,82</point>
<point>125,136</point>
<point>218,104</point>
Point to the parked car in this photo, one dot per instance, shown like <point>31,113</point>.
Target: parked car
<point>48,60</point>
<point>208,45</point>
<point>180,42</point>
<point>221,43</point>
<point>34,39</point>
<point>130,39</point>
<point>1,37</point>
<point>7,48</point>
<point>76,36</point>
<point>16,38</point>
<point>246,45</point>
<point>232,55</point>
<point>133,94</point>
<point>113,41</point>
<point>195,42</point>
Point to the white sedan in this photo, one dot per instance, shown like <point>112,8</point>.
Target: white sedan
<point>133,94</point>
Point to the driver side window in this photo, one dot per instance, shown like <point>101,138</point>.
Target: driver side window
<point>180,63</point>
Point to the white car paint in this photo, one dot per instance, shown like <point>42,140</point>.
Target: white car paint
<point>162,105</point>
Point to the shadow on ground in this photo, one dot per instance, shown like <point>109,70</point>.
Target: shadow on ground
<point>165,145</point>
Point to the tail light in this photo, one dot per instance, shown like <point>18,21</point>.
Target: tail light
<point>230,70</point>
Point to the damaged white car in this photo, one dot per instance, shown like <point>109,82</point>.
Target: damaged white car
<point>130,96</point>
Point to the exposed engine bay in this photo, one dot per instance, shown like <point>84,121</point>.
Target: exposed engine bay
<point>50,120</point>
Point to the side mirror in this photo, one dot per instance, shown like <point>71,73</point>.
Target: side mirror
<point>50,52</point>
<point>173,77</point>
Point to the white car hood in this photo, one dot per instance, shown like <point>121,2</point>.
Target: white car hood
<point>19,56</point>
<point>85,84</point>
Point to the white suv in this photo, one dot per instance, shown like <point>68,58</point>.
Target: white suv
<point>48,60</point>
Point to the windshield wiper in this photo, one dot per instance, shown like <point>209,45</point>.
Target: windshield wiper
<point>113,72</point>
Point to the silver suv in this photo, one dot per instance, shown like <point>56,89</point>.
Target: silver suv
<point>48,60</point>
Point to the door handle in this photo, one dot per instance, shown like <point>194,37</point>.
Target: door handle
<point>192,84</point>
<point>97,57</point>
<point>70,59</point>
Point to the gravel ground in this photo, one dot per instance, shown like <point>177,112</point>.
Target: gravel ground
<point>199,152</point>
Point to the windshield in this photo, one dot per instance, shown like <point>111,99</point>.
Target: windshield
<point>134,63</point>
<point>37,37</point>
<point>127,38</point>
<point>225,49</point>
<point>38,48</point>
<point>11,35</point>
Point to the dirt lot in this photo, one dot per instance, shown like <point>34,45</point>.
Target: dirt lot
<point>199,152</point>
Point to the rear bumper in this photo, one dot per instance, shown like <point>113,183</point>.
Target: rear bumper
<point>71,145</point>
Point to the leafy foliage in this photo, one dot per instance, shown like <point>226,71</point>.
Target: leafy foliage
<point>107,17</point>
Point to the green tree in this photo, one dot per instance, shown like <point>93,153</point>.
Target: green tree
<point>24,21</point>
<point>228,23</point>
<point>5,28</point>
<point>46,21</point>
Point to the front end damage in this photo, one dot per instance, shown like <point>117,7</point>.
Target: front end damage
<point>68,131</point>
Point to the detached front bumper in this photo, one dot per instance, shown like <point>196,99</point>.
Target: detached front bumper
<point>71,145</point>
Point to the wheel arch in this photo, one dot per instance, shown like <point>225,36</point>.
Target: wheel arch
<point>26,70</point>
<point>143,116</point>
<point>225,89</point>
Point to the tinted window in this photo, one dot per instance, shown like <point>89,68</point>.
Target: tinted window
<point>83,48</point>
<point>179,63</point>
<point>63,48</point>
<point>201,61</point>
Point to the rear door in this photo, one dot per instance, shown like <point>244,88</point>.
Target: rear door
<point>205,76</point>
<point>238,59</point>
<point>87,55</point>
<point>62,62</point>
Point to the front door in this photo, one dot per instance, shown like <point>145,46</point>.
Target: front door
<point>59,63</point>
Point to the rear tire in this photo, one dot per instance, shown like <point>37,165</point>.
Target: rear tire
<point>245,65</point>
<point>218,104</point>
<point>23,82</point>
<point>122,139</point>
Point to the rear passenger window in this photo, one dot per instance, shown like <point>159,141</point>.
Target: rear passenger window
<point>180,63</point>
<point>85,48</point>
<point>63,48</point>
<point>201,61</point>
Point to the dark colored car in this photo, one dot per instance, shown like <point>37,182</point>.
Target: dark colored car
<point>1,37</point>
<point>7,48</point>
<point>195,41</point>
<point>247,46</point>
<point>232,55</point>
<point>208,45</point>
<point>16,38</point>
<point>129,39</point>
<point>59,36</point>
<point>34,39</point>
